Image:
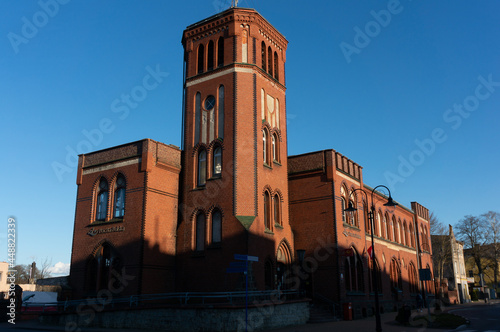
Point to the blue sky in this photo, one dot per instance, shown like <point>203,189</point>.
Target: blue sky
<point>409,90</point>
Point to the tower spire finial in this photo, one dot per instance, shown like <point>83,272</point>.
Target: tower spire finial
<point>234,3</point>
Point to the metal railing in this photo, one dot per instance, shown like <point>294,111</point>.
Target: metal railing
<point>178,299</point>
<point>333,306</point>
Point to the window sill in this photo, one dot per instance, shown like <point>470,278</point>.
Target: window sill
<point>278,226</point>
<point>268,231</point>
<point>277,163</point>
<point>215,177</point>
<point>267,166</point>
<point>198,188</point>
<point>104,222</point>
<point>356,228</point>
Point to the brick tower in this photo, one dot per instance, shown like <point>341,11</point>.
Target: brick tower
<point>234,186</point>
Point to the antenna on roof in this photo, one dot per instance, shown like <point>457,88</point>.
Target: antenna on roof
<point>234,3</point>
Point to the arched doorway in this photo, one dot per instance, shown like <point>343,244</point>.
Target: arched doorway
<point>102,269</point>
<point>283,261</point>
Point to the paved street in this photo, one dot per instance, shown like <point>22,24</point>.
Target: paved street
<point>482,317</point>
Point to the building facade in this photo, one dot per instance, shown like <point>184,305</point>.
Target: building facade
<point>153,218</point>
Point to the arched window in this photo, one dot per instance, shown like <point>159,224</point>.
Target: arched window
<point>267,210</point>
<point>412,236</point>
<point>263,53</point>
<point>210,56</point>
<point>216,226</point>
<point>379,231</point>
<point>395,271</point>
<point>398,232</point>
<point>102,200</point>
<point>388,233</point>
<point>343,197</point>
<point>365,216</point>
<point>277,210</point>
<point>201,58</point>
<point>273,139</point>
<point>202,168</point>
<point>264,145</point>
<point>394,229</point>
<point>383,229</point>
<point>200,232</point>
<point>404,236</point>
<point>354,279</point>
<point>217,168</point>
<point>119,206</point>
<point>220,52</point>
<point>353,218</point>
<point>412,278</point>
<point>276,71</point>
<point>269,61</point>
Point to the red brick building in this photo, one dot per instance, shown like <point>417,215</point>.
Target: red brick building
<point>164,217</point>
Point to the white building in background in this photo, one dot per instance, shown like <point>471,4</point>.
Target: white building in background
<point>459,275</point>
<point>4,285</point>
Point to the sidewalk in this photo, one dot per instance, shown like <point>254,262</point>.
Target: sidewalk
<point>388,321</point>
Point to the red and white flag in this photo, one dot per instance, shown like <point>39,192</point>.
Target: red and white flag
<point>370,252</point>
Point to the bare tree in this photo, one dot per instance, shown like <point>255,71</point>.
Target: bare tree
<point>441,250</point>
<point>436,227</point>
<point>472,231</point>
<point>491,220</point>
<point>43,271</point>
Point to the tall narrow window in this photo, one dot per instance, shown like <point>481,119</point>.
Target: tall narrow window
<point>412,278</point>
<point>210,56</point>
<point>277,218</point>
<point>119,206</point>
<point>102,201</point>
<point>220,52</point>
<point>354,218</point>
<point>396,281</point>
<point>263,52</point>
<point>343,194</point>
<point>200,232</point>
<point>201,58</point>
<point>269,61</point>
<point>353,267</point>
<point>264,145</point>
<point>273,138</point>
<point>202,168</point>
<point>404,238</point>
<point>367,221</point>
<point>388,225</point>
<point>276,71</point>
<point>267,211</point>
<point>411,241</point>
<point>217,161</point>
<point>216,226</point>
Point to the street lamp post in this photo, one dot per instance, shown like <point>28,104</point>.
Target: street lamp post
<point>371,217</point>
